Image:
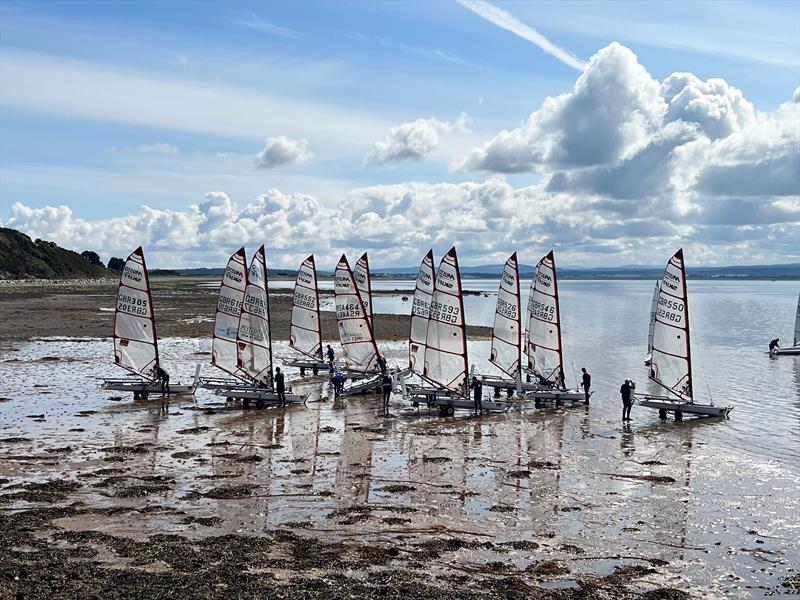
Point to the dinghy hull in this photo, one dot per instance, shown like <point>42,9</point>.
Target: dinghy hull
<point>678,407</point>
<point>144,389</point>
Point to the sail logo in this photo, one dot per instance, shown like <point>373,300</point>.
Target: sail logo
<point>133,274</point>
<point>509,279</point>
<point>424,279</point>
<point>304,277</point>
<point>360,277</point>
<point>342,281</point>
<point>544,279</point>
<point>233,274</point>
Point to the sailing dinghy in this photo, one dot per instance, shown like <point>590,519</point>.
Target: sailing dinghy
<point>135,338</point>
<point>795,349</point>
<point>364,285</point>
<point>355,333</point>
<point>445,373</point>
<point>671,357</point>
<point>420,313</point>
<point>242,344</point>
<point>653,307</point>
<point>543,338</point>
<point>305,333</point>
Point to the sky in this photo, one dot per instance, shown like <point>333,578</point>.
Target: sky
<point>611,132</point>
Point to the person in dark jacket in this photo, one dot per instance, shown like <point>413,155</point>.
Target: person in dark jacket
<point>774,345</point>
<point>387,389</point>
<point>338,384</point>
<point>586,381</point>
<point>163,378</point>
<point>280,387</point>
<point>382,364</point>
<point>330,354</point>
<point>626,391</point>
<point>477,394</point>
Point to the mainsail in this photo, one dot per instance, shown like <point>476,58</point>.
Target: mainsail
<point>506,343</point>
<point>253,339</point>
<point>446,342</point>
<point>224,352</point>
<point>135,340</point>
<point>653,306</point>
<point>671,362</point>
<point>304,334</point>
<point>355,329</point>
<point>364,284</point>
<point>420,311</point>
<point>544,328</point>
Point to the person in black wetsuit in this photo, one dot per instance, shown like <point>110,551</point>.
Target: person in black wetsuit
<point>626,391</point>
<point>163,378</point>
<point>586,381</point>
<point>280,387</point>
<point>329,353</point>
<point>477,395</point>
<point>387,389</point>
<point>774,345</point>
<point>382,364</point>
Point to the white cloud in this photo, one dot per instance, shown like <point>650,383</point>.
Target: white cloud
<point>413,140</point>
<point>502,18</point>
<point>283,151</point>
<point>161,148</point>
<point>256,23</point>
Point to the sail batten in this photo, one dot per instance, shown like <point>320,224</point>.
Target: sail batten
<point>135,338</point>
<point>506,351</point>
<point>544,348</point>
<point>420,314</point>
<point>224,349</point>
<point>446,361</point>
<point>671,362</point>
<point>254,345</point>
<point>305,334</point>
<point>355,329</point>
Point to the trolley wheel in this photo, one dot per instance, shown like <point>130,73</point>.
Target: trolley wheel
<point>315,370</point>
<point>136,395</point>
<point>303,372</point>
<point>260,403</point>
<point>143,395</point>
<point>450,411</point>
<point>496,392</point>
<point>679,415</point>
<point>662,414</point>
<point>229,399</point>
<point>245,402</point>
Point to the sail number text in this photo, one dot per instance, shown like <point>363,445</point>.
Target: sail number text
<point>670,310</point>
<point>305,300</point>
<point>540,310</point>
<point>348,311</point>
<point>506,309</point>
<point>446,313</point>
<point>132,305</point>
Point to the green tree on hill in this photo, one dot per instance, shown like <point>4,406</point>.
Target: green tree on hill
<point>92,257</point>
<point>116,264</point>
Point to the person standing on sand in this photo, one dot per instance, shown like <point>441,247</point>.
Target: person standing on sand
<point>162,377</point>
<point>477,395</point>
<point>387,389</point>
<point>280,387</point>
<point>329,353</point>
<point>626,391</point>
<point>382,364</point>
<point>586,381</point>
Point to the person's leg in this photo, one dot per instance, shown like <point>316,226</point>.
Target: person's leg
<point>167,382</point>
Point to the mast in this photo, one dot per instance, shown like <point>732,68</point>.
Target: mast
<point>269,314</point>
<point>506,351</point>
<point>420,314</point>
<point>135,337</point>
<point>689,381</point>
<point>253,339</point>
<point>364,284</point>
<point>446,361</point>
<point>305,333</point>
<point>558,321</point>
<point>355,329</point>
<point>224,349</point>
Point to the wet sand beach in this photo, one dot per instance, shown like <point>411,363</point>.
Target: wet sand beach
<point>101,496</point>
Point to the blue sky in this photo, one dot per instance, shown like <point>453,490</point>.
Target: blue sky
<point>149,120</point>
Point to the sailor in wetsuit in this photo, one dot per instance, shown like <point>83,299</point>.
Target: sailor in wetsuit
<point>774,345</point>
<point>163,378</point>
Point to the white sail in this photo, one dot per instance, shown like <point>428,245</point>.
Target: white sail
<point>797,324</point>
<point>364,284</point>
<point>671,363</point>
<point>420,311</point>
<point>135,340</point>
<point>653,306</point>
<point>305,333</point>
<point>544,328</point>
<point>355,329</point>
<point>446,342</point>
<point>253,340</point>
<point>224,352</point>
<point>506,340</point>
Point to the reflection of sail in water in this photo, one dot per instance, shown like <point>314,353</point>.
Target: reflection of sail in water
<point>355,461</point>
<point>544,444</point>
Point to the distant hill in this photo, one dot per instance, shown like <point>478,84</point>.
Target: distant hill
<point>23,258</point>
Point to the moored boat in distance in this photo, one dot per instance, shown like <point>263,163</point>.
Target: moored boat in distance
<point>671,356</point>
<point>795,349</point>
<point>135,337</point>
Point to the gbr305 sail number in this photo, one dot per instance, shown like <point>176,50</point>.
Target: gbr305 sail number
<point>132,305</point>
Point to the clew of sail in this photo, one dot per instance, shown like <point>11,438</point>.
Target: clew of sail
<point>671,364</point>
<point>544,326</point>
<point>253,338</point>
<point>446,341</point>
<point>304,333</point>
<point>420,312</point>
<point>355,329</point>
<point>653,306</point>
<point>135,340</point>
<point>364,284</point>
<point>506,343</point>
<point>224,352</point>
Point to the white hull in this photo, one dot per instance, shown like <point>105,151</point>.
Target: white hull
<point>145,388</point>
<point>246,394</point>
<point>444,400</point>
<point>304,364</point>
<point>793,351</point>
<point>367,384</point>
<point>679,407</point>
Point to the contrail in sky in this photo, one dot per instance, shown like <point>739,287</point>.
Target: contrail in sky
<point>509,22</point>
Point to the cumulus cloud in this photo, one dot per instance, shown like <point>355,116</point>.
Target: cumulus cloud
<point>283,151</point>
<point>413,140</point>
<point>158,148</point>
